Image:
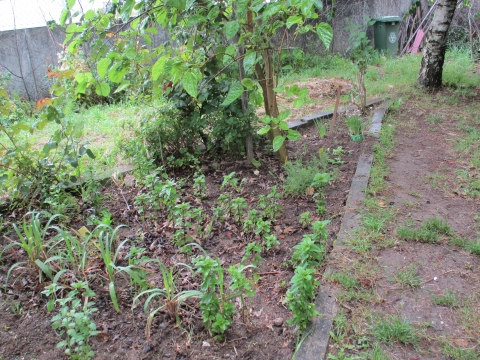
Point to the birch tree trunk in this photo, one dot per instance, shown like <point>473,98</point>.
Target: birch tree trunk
<point>430,75</point>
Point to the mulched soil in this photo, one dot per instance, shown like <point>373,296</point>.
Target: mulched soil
<point>26,331</point>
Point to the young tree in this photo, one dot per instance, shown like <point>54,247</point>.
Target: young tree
<point>225,33</point>
<point>430,75</point>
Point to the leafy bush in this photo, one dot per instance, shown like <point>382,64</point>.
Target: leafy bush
<point>27,170</point>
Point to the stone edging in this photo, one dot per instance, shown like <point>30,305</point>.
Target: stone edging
<point>315,346</point>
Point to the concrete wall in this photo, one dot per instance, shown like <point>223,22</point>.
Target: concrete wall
<point>355,11</point>
<point>26,54</point>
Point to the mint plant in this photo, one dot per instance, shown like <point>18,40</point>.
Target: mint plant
<point>300,296</point>
<point>253,249</point>
<point>240,284</point>
<point>74,321</point>
<point>239,207</point>
<point>262,227</point>
<point>305,219</point>
<point>217,307</point>
<point>230,181</point>
<point>199,186</point>
<point>308,253</point>
<point>270,242</point>
<point>320,231</point>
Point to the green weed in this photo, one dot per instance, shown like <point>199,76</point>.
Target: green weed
<point>408,277</point>
<point>447,299</point>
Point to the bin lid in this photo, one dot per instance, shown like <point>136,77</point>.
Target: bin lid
<point>388,19</point>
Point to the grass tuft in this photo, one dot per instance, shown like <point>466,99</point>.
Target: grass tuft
<point>392,329</point>
<point>428,232</point>
<point>408,277</point>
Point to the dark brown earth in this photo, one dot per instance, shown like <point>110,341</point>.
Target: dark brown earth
<point>26,332</point>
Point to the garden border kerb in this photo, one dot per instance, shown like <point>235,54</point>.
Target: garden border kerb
<point>316,344</point>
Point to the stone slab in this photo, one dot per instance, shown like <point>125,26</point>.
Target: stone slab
<point>308,120</point>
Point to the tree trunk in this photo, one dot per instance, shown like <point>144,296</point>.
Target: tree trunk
<point>430,75</point>
<point>270,100</point>
<point>424,7</point>
<point>244,98</point>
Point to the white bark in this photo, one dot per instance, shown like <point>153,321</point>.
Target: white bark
<point>430,74</point>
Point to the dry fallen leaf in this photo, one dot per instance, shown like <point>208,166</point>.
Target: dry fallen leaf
<point>310,190</point>
<point>461,342</point>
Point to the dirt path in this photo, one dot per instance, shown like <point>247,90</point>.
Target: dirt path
<point>406,298</point>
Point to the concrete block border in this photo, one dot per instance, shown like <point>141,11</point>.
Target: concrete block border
<point>308,120</point>
<point>315,346</point>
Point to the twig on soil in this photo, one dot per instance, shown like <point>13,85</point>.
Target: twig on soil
<point>242,338</point>
<point>121,192</point>
<point>270,273</point>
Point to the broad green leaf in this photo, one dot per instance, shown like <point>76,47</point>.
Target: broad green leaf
<point>90,14</point>
<point>292,20</point>
<point>190,84</point>
<point>151,30</point>
<point>70,3</point>
<point>283,125</point>
<point>272,9</point>
<point>3,93</point>
<point>230,53</point>
<point>249,60</point>
<point>279,89</point>
<point>264,130</point>
<point>102,67</point>
<point>134,23</point>
<point>283,115</point>
<point>102,89</point>
<point>248,83</point>
<point>122,86</point>
<point>231,29</point>
<point>90,154</point>
<point>115,74</point>
<point>63,17</point>
<point>195,20</point>
<point>74,28</point>
<point>298,102</point>
<point>256,98</point>
<point>177,4</point>
<point>278,142</point>
<point>233,94</point>
<point>130,53</point>
<point>258,7</point>
<point>325,33</point>
<point>213,13</point>
<point>158,67</point>
<point>126,10</point>
<point>81,87</point>
<point>147,39</point>
<point>293,135</point>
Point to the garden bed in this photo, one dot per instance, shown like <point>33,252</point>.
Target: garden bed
<point>27,330</point>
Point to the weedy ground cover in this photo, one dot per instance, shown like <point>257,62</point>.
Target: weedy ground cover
<point>411,251</point>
